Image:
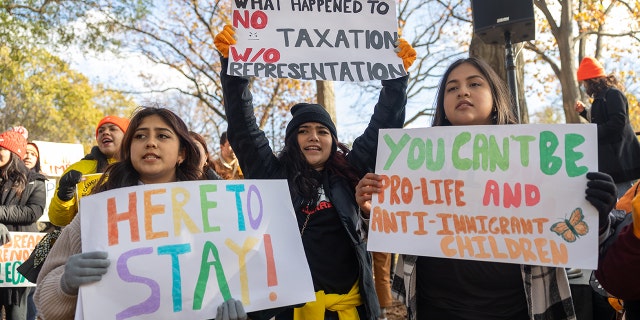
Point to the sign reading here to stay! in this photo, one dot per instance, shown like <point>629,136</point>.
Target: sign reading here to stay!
<point>342,40</point>
<point>178,250</point>
<point>513,193</point>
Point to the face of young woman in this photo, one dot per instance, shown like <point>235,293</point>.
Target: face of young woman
<point>5,157</point>
<point>467,98</point>
<point>155,151</point>
<point>109,139</point>
<point>315,143</point>
<point>32,157</point>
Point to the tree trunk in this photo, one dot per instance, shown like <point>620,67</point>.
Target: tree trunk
<point>495,56</point>
<point>326,97</point>
<point>567,72</point>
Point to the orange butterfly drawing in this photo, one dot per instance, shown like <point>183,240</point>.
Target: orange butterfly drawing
<point>573,228</point>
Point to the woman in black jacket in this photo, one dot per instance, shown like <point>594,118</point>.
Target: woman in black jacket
<point>618,147</point>
<point>22,200</point>
<point>322,174</point>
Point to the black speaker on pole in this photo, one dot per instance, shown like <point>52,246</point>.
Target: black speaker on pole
<point>492,18</point>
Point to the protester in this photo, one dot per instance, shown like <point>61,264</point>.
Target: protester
<point>156,149</point>
<point>225,163</point>
<point>471,93</point>
<point>32,157</point>
<point>22,201</point>
<point>618,147</point>
<point>109,132</point>
<point>32,162</point>
<point>321,173</point>
<point>618,266</point>
<point>207,168</point>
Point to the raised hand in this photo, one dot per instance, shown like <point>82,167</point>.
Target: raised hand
<point>224,39</point>
<point>406,52</point>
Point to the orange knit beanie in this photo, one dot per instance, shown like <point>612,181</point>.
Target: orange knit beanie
<point>590,68</point>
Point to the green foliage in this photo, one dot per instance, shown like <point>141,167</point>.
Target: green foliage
<point>53,102</point>
<point>34,23</point>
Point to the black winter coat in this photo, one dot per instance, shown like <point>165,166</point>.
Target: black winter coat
<point>258,161</point>
<point>618,147</point>
<point>21,214</point>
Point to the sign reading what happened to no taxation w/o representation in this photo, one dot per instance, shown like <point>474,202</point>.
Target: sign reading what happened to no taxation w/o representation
<point>178,250</point>
<point>513,193</point>
<point>341,40</point>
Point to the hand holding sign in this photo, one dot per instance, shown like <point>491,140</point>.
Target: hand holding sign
<point>224,39</point>
<point>231,310</point>
<point>406,52</point>
<point>67,185</point>
<point>367,186</point>
<point>601,192</point>
<point>83,268</point>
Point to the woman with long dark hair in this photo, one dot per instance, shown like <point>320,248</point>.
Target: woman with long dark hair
<point>22,201</point>
<point>322,173</point>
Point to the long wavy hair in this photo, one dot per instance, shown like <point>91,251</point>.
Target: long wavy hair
<point>596,86</point>
<point>502,112</point>
<point>123,174</point>
<point>15,172</point>
<point>304,180</point>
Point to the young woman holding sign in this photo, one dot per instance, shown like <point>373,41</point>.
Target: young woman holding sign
<point>157,148</point>
<point>471,93</point>
<point>321,173</point>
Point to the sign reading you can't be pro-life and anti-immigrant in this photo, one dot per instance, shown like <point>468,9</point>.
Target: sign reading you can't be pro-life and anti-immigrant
<point>341,40</point>
<point>178,250</point>
<point>512,194</point>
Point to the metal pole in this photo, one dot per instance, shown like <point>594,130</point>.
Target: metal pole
<point>511,74</point>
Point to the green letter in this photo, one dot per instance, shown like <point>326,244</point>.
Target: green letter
<point>573,140</point>
<point>395,148</point>
<point>206,205</point>
<point>549,164</point>
<point>203,278</point>
<point>458,142</point>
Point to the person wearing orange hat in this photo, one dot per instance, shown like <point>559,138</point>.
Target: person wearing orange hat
<point>109,133</point>
<point>618,147</point>
<point>22,201</point>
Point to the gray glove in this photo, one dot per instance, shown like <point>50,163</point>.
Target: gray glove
<point>231,310</point>
<point>5,236</point>
<point>83,268</point>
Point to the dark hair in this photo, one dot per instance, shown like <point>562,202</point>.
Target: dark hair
<point>596,86</point>
<point>304,180</point>
<point>223,138</point>
<point>101,159</point>
<point>123,174</point>
<point>502,112</point>
<point>15,172</point>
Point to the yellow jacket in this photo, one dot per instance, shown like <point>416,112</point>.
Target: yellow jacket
<point>62,212</point>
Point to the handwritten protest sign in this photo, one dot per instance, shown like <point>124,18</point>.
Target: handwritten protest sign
<point>13,254</point>
<point>342,40</point>
<point>492,193</point>
<point>56,157</point>
<point>178,250</point>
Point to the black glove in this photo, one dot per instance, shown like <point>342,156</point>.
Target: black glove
<point>601,192</point>
<point>67,184</point>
